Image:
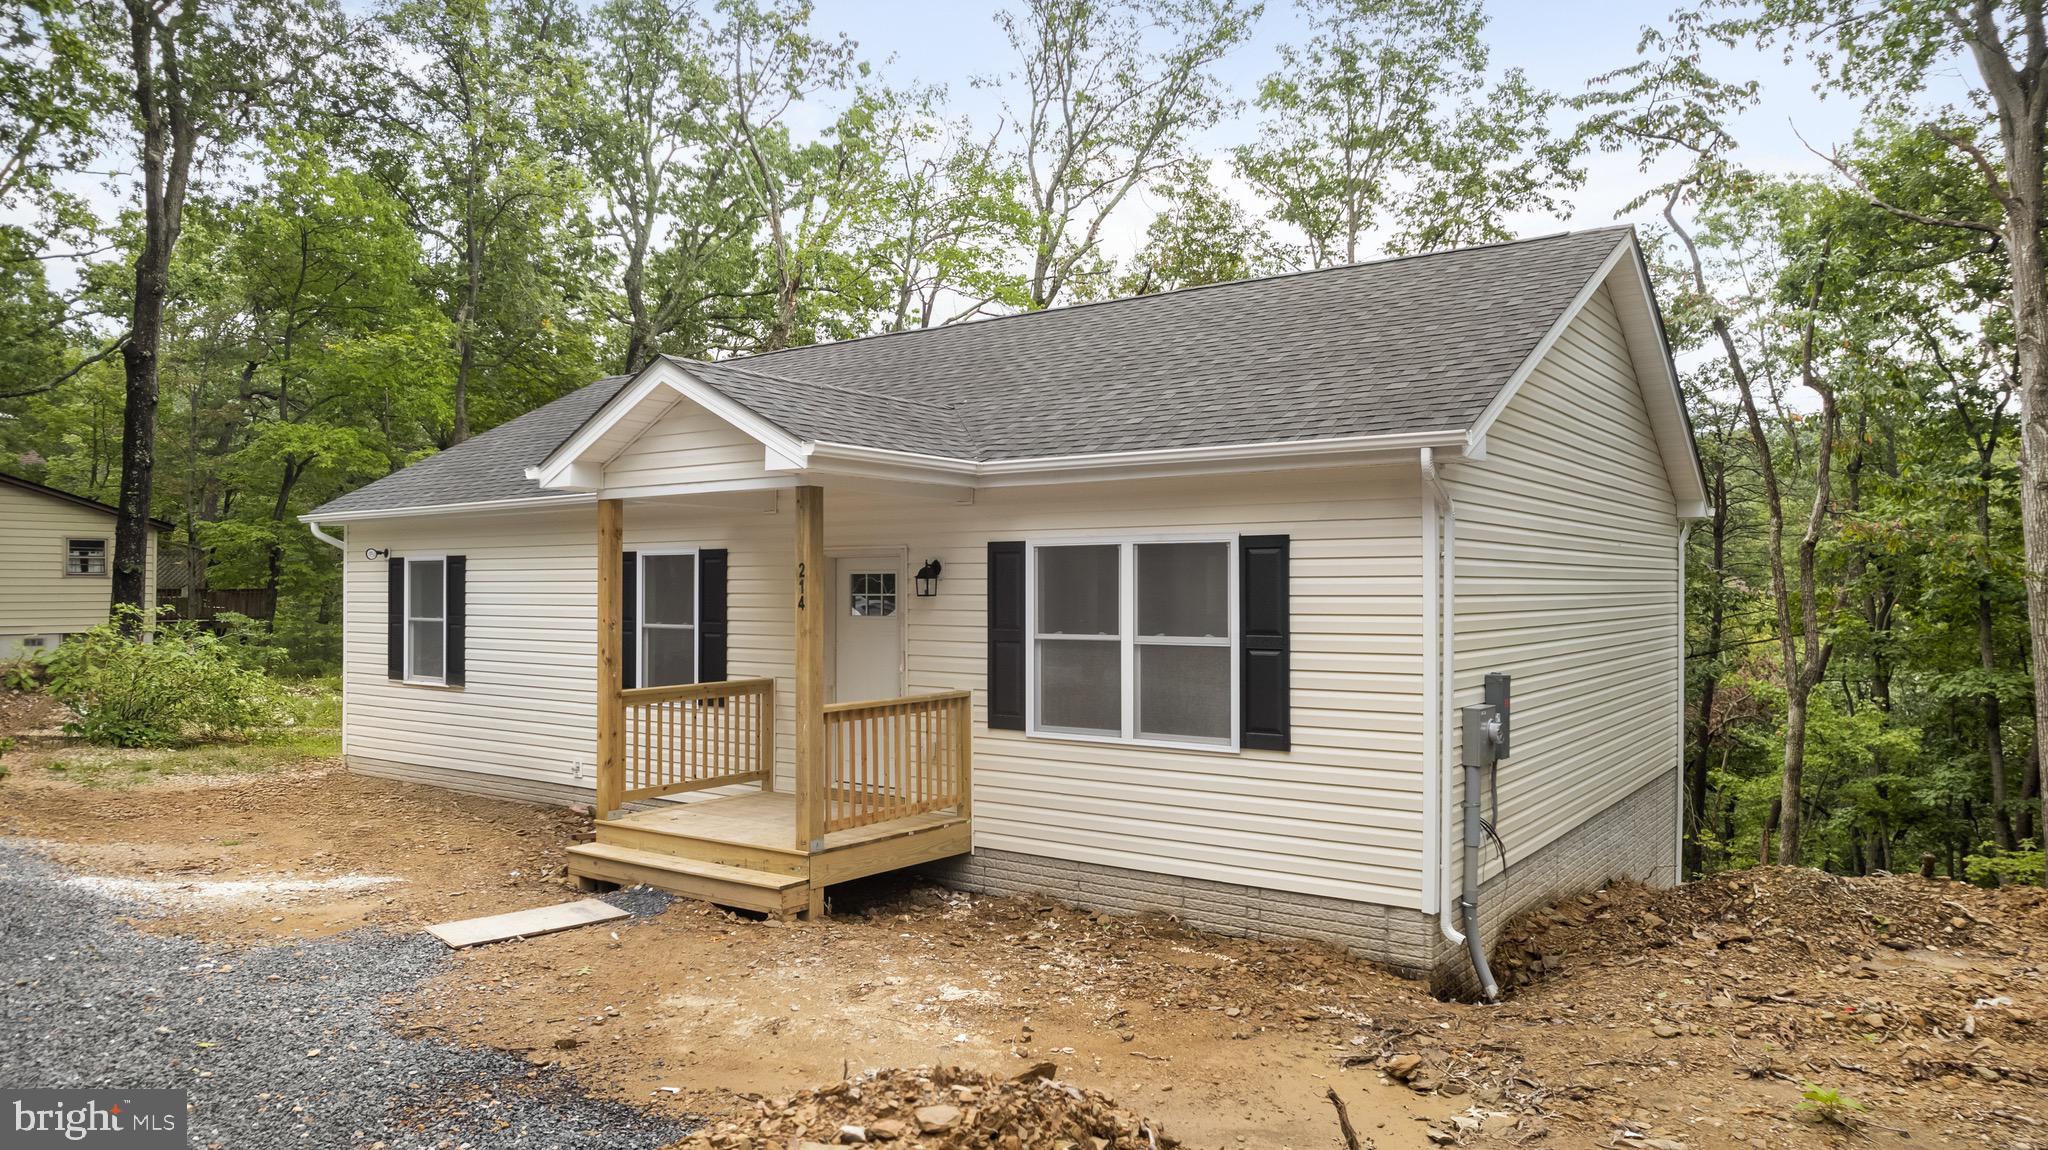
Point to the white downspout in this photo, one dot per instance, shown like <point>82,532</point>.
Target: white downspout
<point>1678,864</point>
<point>1440,597</point>
<point>324,537</point>
<point>341,546</point>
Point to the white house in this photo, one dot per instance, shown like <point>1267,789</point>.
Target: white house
<point>1162,603</point>
<point>56,565</point>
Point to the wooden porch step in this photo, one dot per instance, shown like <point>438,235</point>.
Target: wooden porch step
<point>696,878</point>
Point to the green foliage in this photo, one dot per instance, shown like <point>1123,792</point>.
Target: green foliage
<point>2020,867</point>
<point>1828,1104</point>
<point>183,682</point>
<point>1384,119</point>
<point>24,672</point>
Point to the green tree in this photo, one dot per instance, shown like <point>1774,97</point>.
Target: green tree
<point>1098,113</point>
<point>1886,55</point>
<point>460,142</point>
<point>1201,235</point>
<point>670,202</point>
<point>1383,120</point>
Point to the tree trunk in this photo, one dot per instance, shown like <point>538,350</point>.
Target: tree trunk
<point>1694,860</point>
<point>167,140</point>
<point>1795,766</point>
<point>1771,820</point>
<point>2030,331</point>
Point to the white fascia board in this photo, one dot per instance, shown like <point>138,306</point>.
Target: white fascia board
<point>1529,363</point>
<point>881,463</point>
<point>1662,396</point>
<point>714,487</point>
<point>569,466</point>
<point>523,503</point>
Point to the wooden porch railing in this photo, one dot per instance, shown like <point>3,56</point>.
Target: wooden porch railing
<point>892,758</point>
<point>698,735</point>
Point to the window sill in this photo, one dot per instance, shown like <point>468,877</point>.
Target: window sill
<point>429,684</point>
<point>1140,744</point>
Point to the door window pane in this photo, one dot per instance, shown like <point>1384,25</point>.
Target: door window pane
<point>671,655</point>
<point>1184,589</point>
<point>670,588</point>
<point>872,593</point>
<point>1077,590</point>
<point>425,646</point>
<point>1183,692</point>
<point>1080,685</point>
<point>425,579</point>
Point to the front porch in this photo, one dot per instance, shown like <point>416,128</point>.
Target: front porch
<point>687,796</point>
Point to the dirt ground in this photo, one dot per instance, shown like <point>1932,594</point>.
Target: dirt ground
<point>1769,1008</point>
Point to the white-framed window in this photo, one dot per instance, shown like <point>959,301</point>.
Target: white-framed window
<point>1133,639</point>
<point>85,557</point>
<point>426,619</point>
<point>667,618</point>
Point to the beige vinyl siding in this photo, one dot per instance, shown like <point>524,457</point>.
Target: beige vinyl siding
<point>1568,580</point>
<point>1340,815</point>
<point>36,596</point>
<point>686,445</point>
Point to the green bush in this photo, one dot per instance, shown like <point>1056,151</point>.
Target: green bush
<point>2013,868</point>
<point>182,683</point>
<point>24,672</point>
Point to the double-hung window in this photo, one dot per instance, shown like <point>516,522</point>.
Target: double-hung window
<point>1135,640</point>
<point>85,557</point>
<point>426,620</point>
<point>668,618</point>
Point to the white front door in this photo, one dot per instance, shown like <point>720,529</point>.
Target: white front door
<point>867,634</point>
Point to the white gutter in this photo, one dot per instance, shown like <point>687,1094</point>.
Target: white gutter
<point>1439,663</point>
<point>324,537</point>
<point>1678,866</point>
<point>521,503</point>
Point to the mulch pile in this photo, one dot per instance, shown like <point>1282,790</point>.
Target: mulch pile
<point>941,1109</point>
<point>1784,915</point>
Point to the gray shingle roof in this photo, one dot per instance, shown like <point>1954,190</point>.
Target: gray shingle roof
<point>1420,343</point>
<point>486,467</point>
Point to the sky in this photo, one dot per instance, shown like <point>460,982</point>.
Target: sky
<point>1559,44</point>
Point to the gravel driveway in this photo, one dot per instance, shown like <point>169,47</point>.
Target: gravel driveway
<point>278,1045</point>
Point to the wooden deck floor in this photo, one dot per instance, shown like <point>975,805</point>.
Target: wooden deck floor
<point>741,851</point>
<point>768,820</point>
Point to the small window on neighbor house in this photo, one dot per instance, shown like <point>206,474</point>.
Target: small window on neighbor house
<point>873,593</point>
<point>85,557</point>
<point>426,620</point>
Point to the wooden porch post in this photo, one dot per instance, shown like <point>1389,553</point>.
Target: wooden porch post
<point>611,716</point>
<point>810,669</point>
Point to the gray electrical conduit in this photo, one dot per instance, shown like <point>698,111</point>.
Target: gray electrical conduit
<point>1468,903</point>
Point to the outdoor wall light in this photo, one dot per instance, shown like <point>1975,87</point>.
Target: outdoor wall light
<point>375,553</point>
<point>928,578</point>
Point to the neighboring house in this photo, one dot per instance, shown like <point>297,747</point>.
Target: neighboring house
<point>56,565</point>
<point>1141,603</point>
<point>183,593</point>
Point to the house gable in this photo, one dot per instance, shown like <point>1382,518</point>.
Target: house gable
<point>668,433</point>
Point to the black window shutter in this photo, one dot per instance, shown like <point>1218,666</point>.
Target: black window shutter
<point>457,574</point>
<point>711,625</point>
<point>629,620</point>
<point>1263,616</point>
<point>1006,636</point>
<point>394,620</point>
